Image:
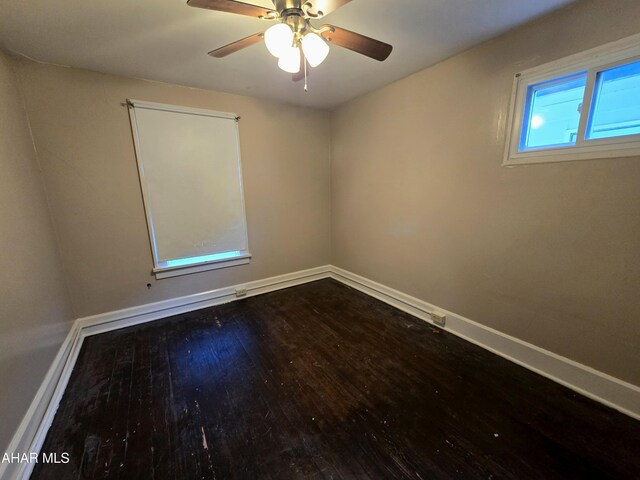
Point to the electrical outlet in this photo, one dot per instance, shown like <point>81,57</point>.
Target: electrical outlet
<point>241,292</point>
<point>439,319</point>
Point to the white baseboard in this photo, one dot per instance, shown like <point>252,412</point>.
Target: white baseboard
<point>127,317</point>
<point>599,386</point>
<point>28,437</point>
<point>32,431</point>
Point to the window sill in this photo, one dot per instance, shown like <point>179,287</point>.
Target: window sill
<point>167,272</point>
<point>620,150</point>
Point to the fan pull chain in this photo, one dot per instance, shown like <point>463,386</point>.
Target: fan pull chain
<point>306,89</point>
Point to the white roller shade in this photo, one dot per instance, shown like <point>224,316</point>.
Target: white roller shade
<point>191,179</point>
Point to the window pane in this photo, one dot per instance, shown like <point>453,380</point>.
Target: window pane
<point>181,262</point>
<point>552,112</point>
<point>616,103</point>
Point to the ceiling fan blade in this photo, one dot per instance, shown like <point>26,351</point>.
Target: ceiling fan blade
<point>235,46</point>
<point>358,43</point>
<point>231,6</point>
<point>326,6</point>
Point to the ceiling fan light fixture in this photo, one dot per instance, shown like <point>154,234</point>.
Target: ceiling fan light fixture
<point>315,49</point>
<point>294,40</point>
<point>290,60</point>
<point>278,39</point>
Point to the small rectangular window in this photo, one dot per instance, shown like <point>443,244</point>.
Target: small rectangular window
<point>582,107</point>
<point>189,166</point>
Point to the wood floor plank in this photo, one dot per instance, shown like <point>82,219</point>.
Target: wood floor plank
<point>321,381</point>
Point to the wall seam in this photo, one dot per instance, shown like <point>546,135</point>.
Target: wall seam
<point>331,249</point>
<point>43,184</point>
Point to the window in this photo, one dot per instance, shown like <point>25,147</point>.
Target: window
<point>583,107</point>
<point>615,110</point>
<point>189,166</point>
<point>552,112</point>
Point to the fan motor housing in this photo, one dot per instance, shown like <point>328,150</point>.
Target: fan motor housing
<point>295,19</point>
<point>282,5</point>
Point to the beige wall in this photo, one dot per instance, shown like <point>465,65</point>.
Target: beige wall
<point>547,253</point>
<point>84,144</point>
<point>34,309</point>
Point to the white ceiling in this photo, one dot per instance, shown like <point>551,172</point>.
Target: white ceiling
<point>168,41</point>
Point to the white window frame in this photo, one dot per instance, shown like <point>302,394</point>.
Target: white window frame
<point>243,257</point>
<point>592,61</point>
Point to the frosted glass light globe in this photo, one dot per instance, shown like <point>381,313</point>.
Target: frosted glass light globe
<point>290,60</point>
<point>278,39</point>
<point>315,49</point>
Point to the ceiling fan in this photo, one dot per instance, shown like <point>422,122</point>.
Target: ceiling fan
<point>294,40</point>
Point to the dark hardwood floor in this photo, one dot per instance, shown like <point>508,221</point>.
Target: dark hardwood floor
<point>321,381</point>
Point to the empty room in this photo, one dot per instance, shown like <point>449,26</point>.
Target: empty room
<point>325,239</point>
